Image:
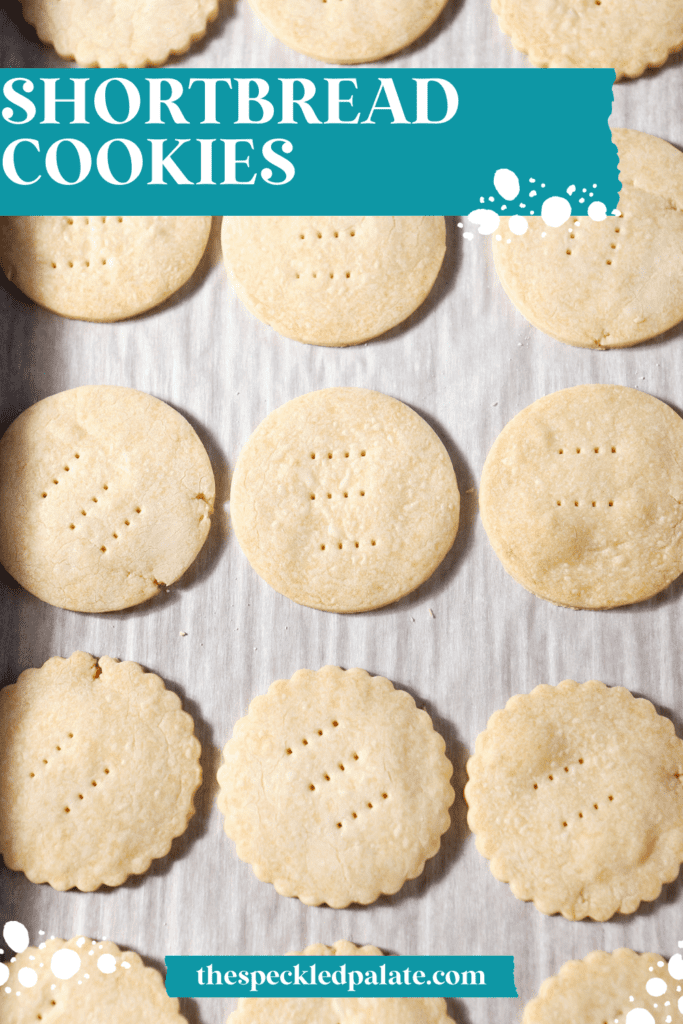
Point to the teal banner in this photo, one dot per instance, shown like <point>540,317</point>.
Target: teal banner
<point>340,977</point>
<point>318,142</point>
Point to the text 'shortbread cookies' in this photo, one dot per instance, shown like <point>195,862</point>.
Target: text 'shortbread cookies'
<point>341,1011</point>
<point>333,280</point>
<point>344,500</point>
<point>99,766</point>
<point>575,796</point>
<point>610,987</point>
<point>119,33</point>
<point>101,268</point>
<point>582,496</point>
<point>335,787</point>
<point>352,32</point>
<point>627,35</point>
<point>82,981</point>
<point>105,496</point>
<point>609,283</point>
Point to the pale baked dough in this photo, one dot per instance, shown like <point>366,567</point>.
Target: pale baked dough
<point>606,987</point>
<point>576,799</point>
<point>609,283</point>
<point>101,268</point>
<point>128,992</point>
<point>99,766</point>
<point>341,1011</point>
<point>333,280</point>
<point>582,496</point>
<point>335,787</point>
<point>344,500</point>
<point>627,35</point>
<point>105,496</point>
<point>119,33</point>
<point>351,32</point>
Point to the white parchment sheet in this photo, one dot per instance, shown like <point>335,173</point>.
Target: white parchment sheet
<point>462,644</point>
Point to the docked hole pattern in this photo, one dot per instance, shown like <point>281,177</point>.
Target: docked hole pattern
<point>340,493</point>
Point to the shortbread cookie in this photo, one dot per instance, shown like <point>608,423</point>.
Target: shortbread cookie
<point>333,280</point>
<point>340,1011</point>
<point>335,787</point>
<point>576,800</point>
<point>352,32</point>
<point>344,500</point>
<point>627,35</point>
<point>99,766</point>
<point>581,496</point>
<point>608,283</point>
<point>82,981</point>
<point>101,268</point>
<point>119,33</point>
<point>609,987</point>
<point>105,496</point>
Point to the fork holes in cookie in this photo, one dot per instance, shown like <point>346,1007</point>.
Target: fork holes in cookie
<point>322,547</point>
<point>289,750</point>
<point>326,778</point>
<point>311,787</point>
<point>355,757</point>
<point>335,724</point>
<point>373,543</point>
<point>370,806</point>
<point>305,743</point>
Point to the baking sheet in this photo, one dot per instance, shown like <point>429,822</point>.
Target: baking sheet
<point>462,644</point>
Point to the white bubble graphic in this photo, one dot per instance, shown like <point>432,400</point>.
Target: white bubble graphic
<point>518,225</point>
<point>676,966</point>
<point>4,973</point>
<point>15,935</point>
<point>556,211</point>
<point>680,1004</point>
<point>65,963</point>
<point>597,211</point>
<point>487,220</point>
<point>27,977</point>
<point>571,190</point>
<point>639,1016</point>
<point>107,963</point>
<point>506,183</point>
<point>656,987</point>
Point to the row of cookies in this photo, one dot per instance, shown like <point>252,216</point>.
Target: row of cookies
<point>624,36</point>
<point>340,281</point>
<point>343,500</point>
<point>338,769</point>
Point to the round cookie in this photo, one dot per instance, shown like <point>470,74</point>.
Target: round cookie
<point>581,496</point>
<point>119,33</point>
<point>99,767</point>
<point>609,283</point>
<point>108,985</point>
<point>627,35</point>
<point>101,268</point>
<point>335,787</point>
<point>344,500</point>
<point>575,798</point>
<point>105,496</point>
<point>333,280</point>
<point>352,32</point>
<point>340,1011</point>
<point>610,987</point>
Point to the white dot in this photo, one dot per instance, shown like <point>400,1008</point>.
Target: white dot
<point>124,963</point>
<point>499,238</point>
<point>597,211</point>
<point>582,200</point>
<point>518,225</point>
<point>65,963</point>
<point>491,199</point>
<point>4,973</point>
<point>80,942</point>
<point>506,183</point>
<point>468,235</point>
<point>680,1004</point>
<point>544,234</point>
<point>107,963</point>
<point>639,1016</point>
<point>486,220</point>
<point>556,211</point>
<point>461,225</point>
<point>8,990</point>
<point>656,987</point>
<point>15,935</point>
<point>532,193</point>
<point>504,206</point>
<point>481,199</point>
<point>676,966</point>
<point>571,190</point>
<point>27,977</point>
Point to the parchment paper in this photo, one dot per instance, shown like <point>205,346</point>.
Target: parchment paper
<point>462,644</point>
